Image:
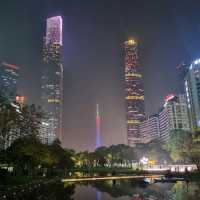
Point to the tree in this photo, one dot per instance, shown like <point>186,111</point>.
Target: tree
<point>17,121</point>
<point>62,157</point>
<point>9,116</point>
<point>152,150</point>
<point>100,155</point>
<point>30,120</point>
<point>185,147</point>
<point>27,153</point>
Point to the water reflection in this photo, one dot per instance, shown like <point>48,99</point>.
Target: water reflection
<point>138,190</point>
<point>99,195</point>
<point>185,191</point>
<point>111,190</point>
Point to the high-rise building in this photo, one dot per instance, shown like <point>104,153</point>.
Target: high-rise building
<point>134,92</point>
<point>192,88</point>
<point>164,126</point>
<point>182,70</point>
<point>52,81</point>
<point>9,75</point>
<point>149,129</point>
<point>173,116</point>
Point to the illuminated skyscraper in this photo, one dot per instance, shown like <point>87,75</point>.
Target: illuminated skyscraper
<point>192,88</point>
<point>173,116</point>
<point>134,92</point>
<point>9,75</point>
<point>52,81</point>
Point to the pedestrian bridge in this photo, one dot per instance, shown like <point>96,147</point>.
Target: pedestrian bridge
<point>111,178</point>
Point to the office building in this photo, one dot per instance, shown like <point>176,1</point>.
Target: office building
<point>52,81</point>
<point>192,88</point>
<point>134,92</point>
<point>173,116</point>
<point>9,75</point>
<point>149,129</point>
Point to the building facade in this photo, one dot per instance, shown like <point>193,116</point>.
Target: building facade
<point>192,88</point>
<point>149,129</point>
<point>134,92</point>
<point>164,126</point>
<point>52,81</point>
<point>173,116</point>
<point>9,75</point>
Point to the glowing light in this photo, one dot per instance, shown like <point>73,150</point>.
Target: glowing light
<point>189,169</point>
<point>11,66</point>
<point>169,97</point>
<point>135,97</point>
<point>54,30</point>
<point>98,122</point>
<point>20,99</point>
<point>133,122</point>
<point>53,101</point>
<point>134,75</point>
<point>182,169</point>
<point>131,42</point>
<point>144,160</point>
<point>196,62</point>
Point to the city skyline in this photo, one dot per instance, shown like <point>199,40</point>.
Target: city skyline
<point>93,55</point>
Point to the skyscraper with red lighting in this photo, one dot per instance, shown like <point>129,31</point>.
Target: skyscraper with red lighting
<point>52,81</point>
<point>134,92</point>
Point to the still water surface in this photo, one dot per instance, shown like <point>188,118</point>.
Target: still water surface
<point>115,190</point>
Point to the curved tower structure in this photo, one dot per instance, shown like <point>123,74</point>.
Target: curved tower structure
<point>134,92</point>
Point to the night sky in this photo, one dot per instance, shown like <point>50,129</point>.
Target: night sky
<point>168,32</point>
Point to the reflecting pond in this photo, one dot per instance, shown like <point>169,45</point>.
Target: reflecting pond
<point>110,190</point>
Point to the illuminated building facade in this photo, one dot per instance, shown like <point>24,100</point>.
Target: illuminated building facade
<point>52,81</point>
<point>192,88</point>
<point>173,116</point>
<point>21,100</point>
<point>149,129</point>
<point>9,75</point>
<point>134,92</point>
<point>164,126</point>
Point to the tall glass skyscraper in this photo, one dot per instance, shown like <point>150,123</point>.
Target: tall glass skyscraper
<point>134,92</point>
<point>192,88</point>
<point>52,81</point>
<point>9,75</point>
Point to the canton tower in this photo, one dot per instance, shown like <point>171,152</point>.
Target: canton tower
<point>98,123</point>
<point>134,92</point>
<point>52,81</point>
